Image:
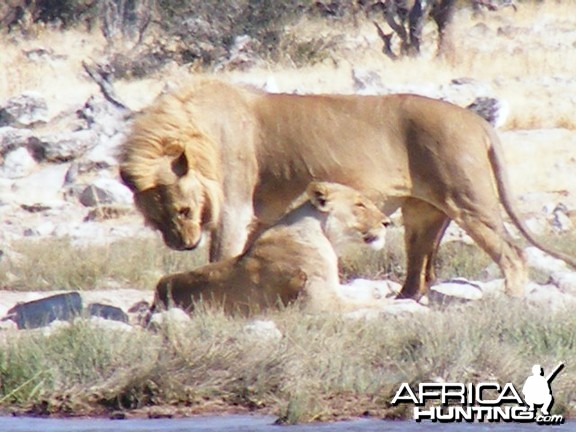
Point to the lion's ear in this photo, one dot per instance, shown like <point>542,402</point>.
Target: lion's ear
<point>319,195</point>
<point>128,180</point>
<point>180,165</point>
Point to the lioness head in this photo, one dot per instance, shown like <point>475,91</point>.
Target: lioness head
<point>350,216</point>
<point>177,200</point>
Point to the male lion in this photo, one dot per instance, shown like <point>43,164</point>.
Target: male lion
<point>212,156</point>
<point>294,258</point>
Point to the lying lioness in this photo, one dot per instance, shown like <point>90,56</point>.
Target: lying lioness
<point>295,258</point>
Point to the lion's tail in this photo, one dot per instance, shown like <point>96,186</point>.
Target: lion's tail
<point>503,185</point>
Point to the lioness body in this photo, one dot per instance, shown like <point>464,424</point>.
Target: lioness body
<point>294,258</point>
<point>436,161</point>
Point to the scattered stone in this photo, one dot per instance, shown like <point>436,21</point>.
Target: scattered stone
<point>18,163</point>
<point>242,55</point>
<point>367,82</point>
<point>107,312</point>
<point>42,187</point>
<point>388,307</point>
<point>262,330</point>
<point>40,313</point>
<point>565,281</point>
<point>366,290</point>
<point>105,191</point>
<point>107,212</point>
<point>542,262</point>
<point>457,289</point>
<point>64,147</point>
<point>549,297</point>
<point>26,110</point>
<point>173,316</point>
<point>12,138</point>
<point>109,324</point>
<point>495,111</point>
<point>560,220</point>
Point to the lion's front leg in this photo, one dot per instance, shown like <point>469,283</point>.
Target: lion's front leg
<point>230,237</point>
<point>424,227</point>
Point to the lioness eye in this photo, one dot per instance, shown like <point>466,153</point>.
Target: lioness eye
<point>185,212</point>
<point>360,205</point>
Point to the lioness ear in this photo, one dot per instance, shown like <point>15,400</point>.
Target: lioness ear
<point>318,193</point>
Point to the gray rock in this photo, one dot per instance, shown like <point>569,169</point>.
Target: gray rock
<point>64,147</point>
<point>27,109</point>
<point>495,111</point>
<point>560,220</point>
<point>105,191</point>
<point>12,138</point>
<point>367,82</point>
<point>18,163</point>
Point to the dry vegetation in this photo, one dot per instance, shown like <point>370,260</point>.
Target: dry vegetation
<point>59,264</point>
<point>323,368</point>
<point>526,57</point>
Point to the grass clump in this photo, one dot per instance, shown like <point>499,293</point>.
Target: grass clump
<point>324,367</point>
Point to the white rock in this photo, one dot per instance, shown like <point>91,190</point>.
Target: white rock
<point>173,316</point>
<point>25,110</point>
<point>6,193</point>
<point>262,330</point>
<point>103,155</point>
<point>12,138</point>
<point>106,324</point>
<point>565,281</point>
<point>542,262</point>
<point>364,289</point>
<point>388,307</point>
<point>18,163</point>
<point>548,297</point>
<point>457,288</point>
<point>43,186</point>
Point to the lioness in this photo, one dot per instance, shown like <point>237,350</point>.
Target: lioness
<point>212,156</point>
<point>294,258</point>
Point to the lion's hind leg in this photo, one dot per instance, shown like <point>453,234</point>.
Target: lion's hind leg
<point>484,224</point>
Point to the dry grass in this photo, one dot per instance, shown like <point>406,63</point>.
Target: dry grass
<point>58,264</point>
<point>526,57</point>
<point>324,367</point>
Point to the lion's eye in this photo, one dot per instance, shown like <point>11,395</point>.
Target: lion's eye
<point>185,213</point>
<point>360,205</point>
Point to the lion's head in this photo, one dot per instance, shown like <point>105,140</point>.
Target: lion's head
<point>173,169</point>
<point>350,216</point>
